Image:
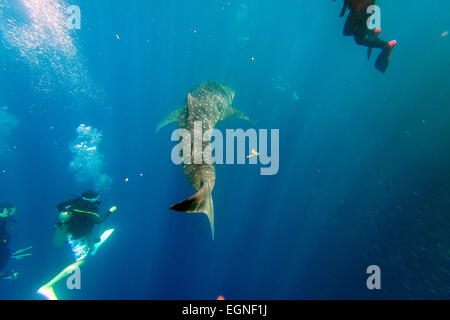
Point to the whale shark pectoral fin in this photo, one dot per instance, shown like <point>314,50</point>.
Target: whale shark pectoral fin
<point>171,117</point>
<point>200,202</point>
<point>234,113</point>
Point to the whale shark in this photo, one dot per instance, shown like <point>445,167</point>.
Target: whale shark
<point>208,103</point>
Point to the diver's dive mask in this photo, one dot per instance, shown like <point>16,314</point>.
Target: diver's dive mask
<point>93,200</point>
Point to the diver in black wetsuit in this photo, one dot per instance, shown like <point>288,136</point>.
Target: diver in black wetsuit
<point>76,220</point>
<point>356,26</point>
<point>7,212</point>
<point>4,251</point>
<point>75,223</point>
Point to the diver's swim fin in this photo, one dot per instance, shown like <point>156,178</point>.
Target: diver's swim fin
<point>47,289</point>
<point>105,235</point>
<point>369,52</point>
<point>23,250</point>
<point>344,8</point>
<point>384,57</point>
<point>22,253</point>
<point>47,292</point>
<point>20,256</point>
<point>200,202</point>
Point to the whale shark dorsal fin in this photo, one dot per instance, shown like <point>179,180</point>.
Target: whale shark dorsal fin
<point>191,100</point>
<point>171,117</point>
<point>235,113</point>
<point>192,104</point>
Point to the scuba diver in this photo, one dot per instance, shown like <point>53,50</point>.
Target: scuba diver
<point>7,211</point>
<point>356,26</point>
<point>4,251</point>
<point>75,224</point>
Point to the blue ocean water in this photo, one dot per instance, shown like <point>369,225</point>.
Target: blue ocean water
<point>364,174</point>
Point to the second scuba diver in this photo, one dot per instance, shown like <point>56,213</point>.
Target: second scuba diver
<point>7,211</point>
<point>356,26</point>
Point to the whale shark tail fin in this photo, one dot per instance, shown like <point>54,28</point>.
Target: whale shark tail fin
<point>199,202</point>
<point>234,113</point>
<point>171,117</point>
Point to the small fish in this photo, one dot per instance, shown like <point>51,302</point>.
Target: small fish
<point>243,39</point>
<point>444,34</point>
<point>254,153</point>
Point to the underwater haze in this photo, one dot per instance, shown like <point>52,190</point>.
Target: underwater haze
<point>364,156</point>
